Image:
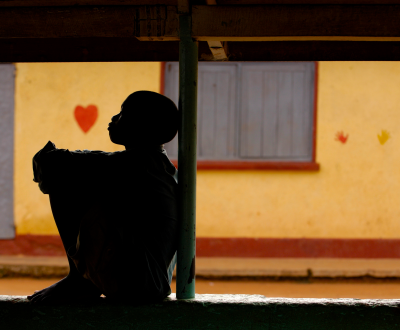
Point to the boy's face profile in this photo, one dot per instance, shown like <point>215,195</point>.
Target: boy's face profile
<point>118,126</point>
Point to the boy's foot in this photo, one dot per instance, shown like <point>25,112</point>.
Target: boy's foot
<point>70,288</point>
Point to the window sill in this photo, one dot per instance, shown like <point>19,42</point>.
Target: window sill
<point>254,165</point>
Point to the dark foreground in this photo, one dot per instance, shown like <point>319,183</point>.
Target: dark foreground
<point>205,312</point>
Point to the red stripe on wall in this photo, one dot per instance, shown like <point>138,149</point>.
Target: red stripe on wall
<point>298,248</point>
<point>49,245</point>
<point>33,245</point>
<point>253,165</point>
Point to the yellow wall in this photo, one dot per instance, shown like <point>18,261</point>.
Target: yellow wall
<point>354,195</point>
<point>356,192</point>
<point>46,96</point>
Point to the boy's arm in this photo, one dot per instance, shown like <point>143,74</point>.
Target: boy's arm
<point>39,165</point>
<point>54,168</point>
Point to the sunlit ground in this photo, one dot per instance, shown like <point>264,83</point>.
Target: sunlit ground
<point>362,290</point>
<point>302,289</point>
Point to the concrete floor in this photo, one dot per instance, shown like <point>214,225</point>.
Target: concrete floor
<point>362,290</point>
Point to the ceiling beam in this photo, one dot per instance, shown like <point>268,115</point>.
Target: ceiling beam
<point>88,50</point>
<point>50,3</point>
<point>130,49</point>
<point>314,51</point>
<point>89,22</point>
<point>299,23</point>
<point>218,23</point>
<point>63,3</point>
<point>64,34</point>
<point>219,50</point>
<point>67,22</point>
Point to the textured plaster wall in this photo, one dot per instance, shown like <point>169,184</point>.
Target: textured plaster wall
<point>354,195</point>
<point>46,96</point>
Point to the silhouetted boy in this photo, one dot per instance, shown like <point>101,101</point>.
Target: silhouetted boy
<point>116,212</point>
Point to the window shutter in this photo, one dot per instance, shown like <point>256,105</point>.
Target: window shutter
<point>276,111</point>
<point>172,91</point>
<point>7,150</point>
<point>216,109</point>
<point>251,111</point>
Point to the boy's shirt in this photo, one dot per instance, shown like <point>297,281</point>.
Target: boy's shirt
<point>137,191</point>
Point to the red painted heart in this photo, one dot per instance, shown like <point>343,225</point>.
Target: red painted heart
<point>86,117</point>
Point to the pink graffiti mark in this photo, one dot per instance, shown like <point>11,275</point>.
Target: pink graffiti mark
<point>341,137</point>
<point>86,117</point>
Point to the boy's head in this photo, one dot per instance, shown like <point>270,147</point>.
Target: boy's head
<point>146,118</point>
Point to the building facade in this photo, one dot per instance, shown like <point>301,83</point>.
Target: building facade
<point>295,159</point>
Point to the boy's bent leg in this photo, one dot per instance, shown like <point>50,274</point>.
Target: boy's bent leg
<point>68,213</point>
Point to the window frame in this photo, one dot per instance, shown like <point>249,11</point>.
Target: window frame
<point>311,165</point>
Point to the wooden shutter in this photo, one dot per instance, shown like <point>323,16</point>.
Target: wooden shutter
<point>6,150</point>
<point>276,111</point>
<point>216,109</point>
<point>172,91</point>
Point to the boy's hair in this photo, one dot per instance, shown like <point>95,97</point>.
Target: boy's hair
<point>155,114</point>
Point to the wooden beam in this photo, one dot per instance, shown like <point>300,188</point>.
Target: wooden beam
<point>88,50</point>
<point>218,23</point>
<point>219,50</point>
<point>51,3</point>
<point>300,23</point>
<point>67,22</point>
<point>62,3</point>
<point>307,2</point>
<point>184,7</point>
<point>314,51</point>
<point>149,22</point>
<point>130,49</point>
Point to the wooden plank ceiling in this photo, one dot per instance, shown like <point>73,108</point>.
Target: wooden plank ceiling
<point>148,30</point>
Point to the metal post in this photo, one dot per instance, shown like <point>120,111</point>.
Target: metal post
<point>187,137</point>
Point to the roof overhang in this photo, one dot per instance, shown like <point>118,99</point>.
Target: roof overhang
<point>255,30</point>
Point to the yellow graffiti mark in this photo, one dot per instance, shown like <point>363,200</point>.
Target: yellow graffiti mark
<point>383,137</point>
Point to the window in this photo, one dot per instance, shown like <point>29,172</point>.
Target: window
<point>253,114</point>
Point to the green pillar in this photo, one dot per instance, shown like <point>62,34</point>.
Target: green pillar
<point>187,137</point>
